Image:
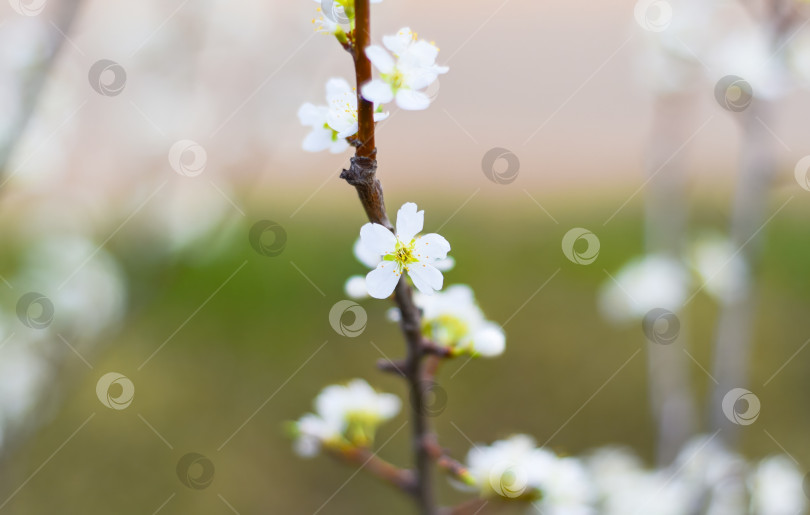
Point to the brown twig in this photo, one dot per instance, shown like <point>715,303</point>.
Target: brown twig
<point>445,461</point>
<point>395,476</point>
<point>362,175</point>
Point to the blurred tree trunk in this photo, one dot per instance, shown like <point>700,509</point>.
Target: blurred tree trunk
<point>671,398</point>
<point>62,14</point>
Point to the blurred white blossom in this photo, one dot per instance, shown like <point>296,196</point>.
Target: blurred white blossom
<point>776,485</point>
<point>344,415</point>
<point>452,318</point>
<point>645,283</point>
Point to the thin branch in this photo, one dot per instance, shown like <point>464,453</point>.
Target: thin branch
<point>400,478</point>
<point>362,175</point>
<point>362,70</point>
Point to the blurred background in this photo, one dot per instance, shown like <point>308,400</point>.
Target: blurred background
<point>140,142</point>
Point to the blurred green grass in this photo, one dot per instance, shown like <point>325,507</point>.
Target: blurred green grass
<point>227,380</point>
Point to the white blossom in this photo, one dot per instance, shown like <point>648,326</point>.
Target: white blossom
<point>333,123</point>
<point>404,252</point>
<point>356,288</point>
<point>344,415</point>
<point>777,487</point>
<point>646,283</point>
<point>511,468</point>
<point>515,468</point>
<point>403,77</point>
<point>453,319</point>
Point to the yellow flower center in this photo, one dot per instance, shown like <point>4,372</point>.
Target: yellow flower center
<point>403,254</point>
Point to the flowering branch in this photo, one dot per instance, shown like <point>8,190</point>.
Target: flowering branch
<point>362,175</point>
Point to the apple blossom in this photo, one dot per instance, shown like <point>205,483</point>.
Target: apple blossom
<point>404,251</point>
<point>403,79</point>
<point>333,123</point>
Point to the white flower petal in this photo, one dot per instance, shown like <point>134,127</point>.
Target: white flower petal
<point>346,130</point>
<point>336,87</point>
<point>367,256</point>
<point>382,280</point>
<point>489,340</point>
<point>420,79</point>
<point>311,115</point>
<point>317,140</point>
<point>409,222</point>
<point>377,239</point>
<point>399,42</point>
<point>381,59</point>
<point>411,100</point>
<point>423,52</point>
<point>339,145</point>
<point>425,277</point>
<point>444,265</point>
<point>377,91</point>
<point>378,117</point>
<point>431,247</point>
